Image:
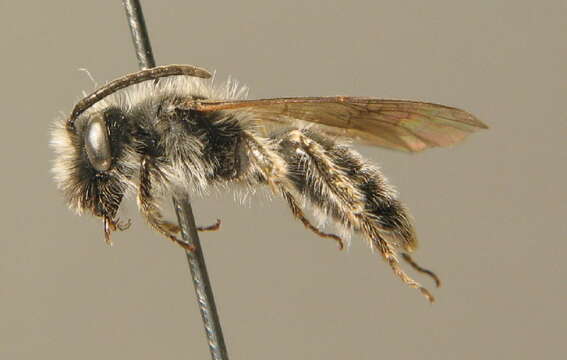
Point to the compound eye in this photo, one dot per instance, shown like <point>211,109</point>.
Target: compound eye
<point>97,143</point>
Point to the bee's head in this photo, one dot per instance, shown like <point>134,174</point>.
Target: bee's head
<point>95,158</point>
<point>92,161</point>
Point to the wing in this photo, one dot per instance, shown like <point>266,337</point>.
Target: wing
<point>395,124</point>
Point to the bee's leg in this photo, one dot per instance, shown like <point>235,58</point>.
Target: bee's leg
<point>338,181</point>
<point>389,254</point>
<point>298,213</point>
<point>149,207</point>
<point>320,178</point>
<point>313,174</point>
<point>420,269</point>
<point>111,225</point>
<point>213,227</point>
<point>273,170</point>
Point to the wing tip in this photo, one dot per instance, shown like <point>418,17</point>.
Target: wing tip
<point>477,122</point>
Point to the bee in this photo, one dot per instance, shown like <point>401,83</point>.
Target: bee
<point>169,129</point>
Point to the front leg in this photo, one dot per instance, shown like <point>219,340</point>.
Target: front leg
<point>213,227</point>
<point>110,225</point>
<point>148,205</point>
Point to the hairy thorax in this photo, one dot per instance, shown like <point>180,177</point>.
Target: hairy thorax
<point>193,149</point>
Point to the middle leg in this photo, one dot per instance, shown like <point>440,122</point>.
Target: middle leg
<point>149,208</point>
<point>273,170</point>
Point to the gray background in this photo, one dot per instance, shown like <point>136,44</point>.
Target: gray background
<point>490,212</point>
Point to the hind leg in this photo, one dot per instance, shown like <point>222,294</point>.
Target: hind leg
<point>356,195</point>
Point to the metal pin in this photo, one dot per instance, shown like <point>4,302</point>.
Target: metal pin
<point>203,290</point>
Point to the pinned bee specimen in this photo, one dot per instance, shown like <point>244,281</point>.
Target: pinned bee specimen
<point>167,129</point>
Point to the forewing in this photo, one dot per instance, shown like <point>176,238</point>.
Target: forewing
<point>396,124</point>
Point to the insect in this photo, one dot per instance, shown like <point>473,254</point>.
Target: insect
<point>166,129</point>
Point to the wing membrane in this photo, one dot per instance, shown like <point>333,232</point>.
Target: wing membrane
<point>395,124</point>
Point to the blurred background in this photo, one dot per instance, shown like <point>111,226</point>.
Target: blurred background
<point>490,212</point>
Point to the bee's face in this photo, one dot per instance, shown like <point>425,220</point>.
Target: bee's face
<point>91,166</point>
